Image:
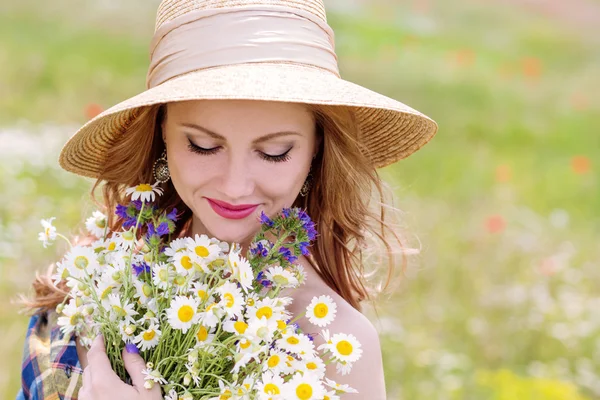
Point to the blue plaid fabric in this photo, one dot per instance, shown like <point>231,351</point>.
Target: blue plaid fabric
<point>51,368</point>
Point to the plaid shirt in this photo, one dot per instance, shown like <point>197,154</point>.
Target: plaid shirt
<point>51,368</point>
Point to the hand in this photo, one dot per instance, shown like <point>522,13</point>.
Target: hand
<point>101,382</point>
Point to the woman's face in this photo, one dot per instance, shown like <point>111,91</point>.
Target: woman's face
<point>226,153</point>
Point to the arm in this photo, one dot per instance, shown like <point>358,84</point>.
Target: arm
<point>367,375</point>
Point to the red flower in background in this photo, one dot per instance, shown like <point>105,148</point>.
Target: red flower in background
<point>495,224</point>
<point>580,164</point>
<point>92,109</point>
<point>531,67</point>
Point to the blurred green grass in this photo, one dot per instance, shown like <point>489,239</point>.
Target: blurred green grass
<point>504,199</point>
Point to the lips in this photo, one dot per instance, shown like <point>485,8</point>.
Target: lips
<point>231,211</point>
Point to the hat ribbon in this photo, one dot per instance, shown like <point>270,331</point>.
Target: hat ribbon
<point>216,37</point>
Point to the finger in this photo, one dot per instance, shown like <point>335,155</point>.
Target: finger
<point>96,356</point>
<point>134,364</point>
<point>86,379</point>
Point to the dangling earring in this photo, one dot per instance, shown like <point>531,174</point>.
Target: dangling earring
<point>307,183</point>
<point>161,168</point>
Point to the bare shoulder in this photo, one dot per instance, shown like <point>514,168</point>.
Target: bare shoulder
<point>366,374</point>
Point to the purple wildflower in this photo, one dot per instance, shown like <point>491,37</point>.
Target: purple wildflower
<point>140,268</point>
<point>265,220</point>
<point>286,212</point>
<point>259,249</point>
<point>172,215</point>
<point>304,248</point>
<point>287,254</point>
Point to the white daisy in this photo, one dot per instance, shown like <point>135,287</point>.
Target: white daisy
<point>202,249</point>
<point>270,387</point>
<point>96,224</point>
<point>314,366</point>
<point>202,291</point>
<point>120,310</point>
<point>103,289</point>
<point>81,261</point>
<point>183,262</point>
<point>339,388</point>
<point>183,313</point>
<point>281,277</point>
<point>237,327</point>
<point>148,338</point>
<point>143,291</point>
<point>344,347</point>
<point>321,311</point>
<point>49,233</point>
<point>263,329</point>
<point>175,246</point>
<point>144,192</point>
<point>72,318</point>
<point>161,275</point>
<point>211,315</point>
<point>303,387</point>
<point>125,240</point>
<point>241,270</point>
<point>127,331</point>
<point>232,300</point>
<point>265,308</point>
<point>275,362</point>
<point>204,336</point>
<point>296,343</point>
<point>329,395</point>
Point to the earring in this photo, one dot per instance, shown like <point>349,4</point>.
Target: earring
<point>307,183</point>
<point>161,168</point>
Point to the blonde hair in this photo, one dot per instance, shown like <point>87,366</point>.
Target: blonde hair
<point>347,202</point>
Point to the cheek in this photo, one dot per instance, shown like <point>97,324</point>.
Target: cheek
<point>282,182</point>
<point>189,171</point>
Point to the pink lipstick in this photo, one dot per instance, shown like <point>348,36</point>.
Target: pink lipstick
<point>231,211</point>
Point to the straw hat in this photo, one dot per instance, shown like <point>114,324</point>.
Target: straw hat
<point>279,50</point>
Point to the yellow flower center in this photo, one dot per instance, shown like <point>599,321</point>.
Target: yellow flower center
<point>201,251</point>
<point>250,301</point>
<point>202,334</point>
<point>293,340</point>
<point>265,311</point>
<point>106,292</point>
<point>149,335</point>
<point>81,262</point>
<point>229,298</point>
<point>304,391</point>
<point>280,280</point>
<point>127,235</point>
<point>311,365</point>
<point>100,223</point>
<point>281,325</point>
<point>186,262</point>
<point>273,361</point>
<point>119,311</point>
<point>321,310</point>
<point>185,313</point>
<point>240,326</point>
<point>112,246</point>
<point>144,187</point>
<point>226,395</point>
<point>344,347</point>
<point>202,294</point>
<point>271,388</point>
<point>163,275</point>
<point>244,344</point>
<point>146,289</point>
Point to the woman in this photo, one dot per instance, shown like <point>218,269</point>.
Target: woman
<point>245,112</point>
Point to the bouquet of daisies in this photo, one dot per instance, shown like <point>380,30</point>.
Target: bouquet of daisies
<point>210,322</point>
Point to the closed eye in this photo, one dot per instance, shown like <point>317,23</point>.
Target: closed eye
<point>267,157</point>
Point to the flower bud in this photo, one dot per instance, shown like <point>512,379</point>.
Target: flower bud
<point>78,302</point>
<point>187,379</point>
<point>149,384</point>
<point>116,276</point>
<point>60,308</point>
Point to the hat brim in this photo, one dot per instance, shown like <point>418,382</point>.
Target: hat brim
<point>389,129</point>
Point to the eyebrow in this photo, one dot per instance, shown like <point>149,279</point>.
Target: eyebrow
<point>220,137</point>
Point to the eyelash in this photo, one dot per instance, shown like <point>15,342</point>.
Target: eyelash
<point>206,152</point>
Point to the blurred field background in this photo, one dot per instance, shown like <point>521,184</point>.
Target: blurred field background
<point>503,302</point>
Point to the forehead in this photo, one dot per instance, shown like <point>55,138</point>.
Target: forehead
<point>250,114</point>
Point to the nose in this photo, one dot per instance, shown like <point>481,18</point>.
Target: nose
<point>237,178</point>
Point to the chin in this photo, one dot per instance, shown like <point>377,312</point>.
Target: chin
<point>232,231</point>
